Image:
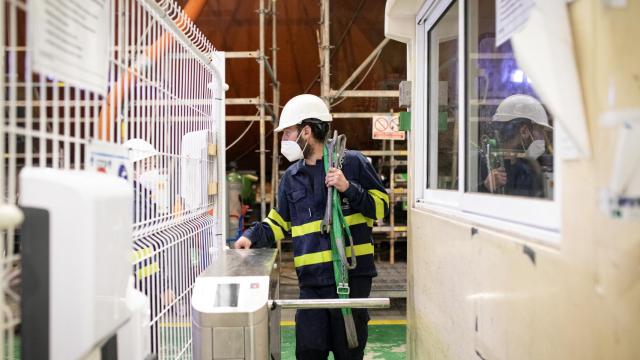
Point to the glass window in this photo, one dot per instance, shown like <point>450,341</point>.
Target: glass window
<point>442,132</point>
<point>509,132</point>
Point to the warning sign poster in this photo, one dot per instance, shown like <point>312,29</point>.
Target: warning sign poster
<point>386,127</point>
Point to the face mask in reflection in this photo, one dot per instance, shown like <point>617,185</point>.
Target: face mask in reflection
<point>536,149</point>
<point>291,150</point>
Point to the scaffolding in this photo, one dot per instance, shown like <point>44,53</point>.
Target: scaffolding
<point>270,111</point>
<point>333,97</point>
<point>265,110</point>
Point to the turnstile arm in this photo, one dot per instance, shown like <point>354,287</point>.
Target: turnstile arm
<point>356,303</point>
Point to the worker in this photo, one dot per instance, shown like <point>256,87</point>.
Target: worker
<point>145,175</point>
<point>302,198</point>
<point>525,152</point>
<point>146,184</point>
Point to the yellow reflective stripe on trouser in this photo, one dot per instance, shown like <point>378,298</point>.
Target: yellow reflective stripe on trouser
<point>314,226</point>
<point>325,256</point>
<point>277,231</point>
<point>273,215</point>
<point>380,199</point>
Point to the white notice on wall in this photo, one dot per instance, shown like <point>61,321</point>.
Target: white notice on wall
<point>69,41</point>
<point>511,15</point>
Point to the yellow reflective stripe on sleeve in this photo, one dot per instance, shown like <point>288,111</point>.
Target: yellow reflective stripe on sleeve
<point>379,194</point>
<point>304,229</point>
<point>148,270</point>
<point>380,199</point>
<point>273,215</point>
<point>325,256</point>
<point>277,231</point>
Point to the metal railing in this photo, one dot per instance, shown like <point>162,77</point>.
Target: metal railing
<point>166,87</point>
<point>355,303</point>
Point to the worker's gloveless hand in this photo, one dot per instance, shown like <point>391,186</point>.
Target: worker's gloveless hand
<point>497,179</point>
<point>336,178</point>
<point>242,243</point>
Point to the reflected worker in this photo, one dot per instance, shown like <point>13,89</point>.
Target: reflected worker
<point>515,159</point>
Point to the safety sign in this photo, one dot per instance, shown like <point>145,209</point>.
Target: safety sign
<point>108,158</point>
<point>386,127</point>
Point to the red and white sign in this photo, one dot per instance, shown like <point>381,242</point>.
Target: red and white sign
<point>386,127</point>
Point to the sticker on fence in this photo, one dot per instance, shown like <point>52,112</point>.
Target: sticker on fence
<point>386,127</point>
<point>109,158</point>
<point>70,41</point>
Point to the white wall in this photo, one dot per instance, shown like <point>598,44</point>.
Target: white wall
<point>479,294</point>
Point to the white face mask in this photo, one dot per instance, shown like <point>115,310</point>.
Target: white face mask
<point>535,149</point>
<point>291,150</point>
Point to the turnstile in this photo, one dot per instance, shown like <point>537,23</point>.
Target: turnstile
<point>232,314</point>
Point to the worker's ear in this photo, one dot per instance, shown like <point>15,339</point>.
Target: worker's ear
<point>525,133</point>
<point>306,131</point>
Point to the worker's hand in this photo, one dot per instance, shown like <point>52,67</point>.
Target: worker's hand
<point>499,176</point>
<point>336,178</point>
<point>242,243</point>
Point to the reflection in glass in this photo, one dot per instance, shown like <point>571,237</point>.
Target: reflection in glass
<point>442,172</point>
<point>509,132</point>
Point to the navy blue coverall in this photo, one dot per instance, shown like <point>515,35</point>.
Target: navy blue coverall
<point>524,177</point>
<point>302,198</point>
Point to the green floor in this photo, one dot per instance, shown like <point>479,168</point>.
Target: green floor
<point>386,342</point>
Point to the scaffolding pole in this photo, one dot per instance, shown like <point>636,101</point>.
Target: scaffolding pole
<point>265,111</point>
<point>329,95</point>
<point>374,55</point>
<point>276,110</point>
<point>261,61</point>
<point>325,50</point>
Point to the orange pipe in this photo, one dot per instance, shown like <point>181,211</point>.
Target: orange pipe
<point>192,9</point>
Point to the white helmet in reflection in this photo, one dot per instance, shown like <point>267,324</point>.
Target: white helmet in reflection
<point>522,106</point>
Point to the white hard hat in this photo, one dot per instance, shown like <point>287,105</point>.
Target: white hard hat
<point>139,149</point>
<point>522,106</point>
<point>302,107</point>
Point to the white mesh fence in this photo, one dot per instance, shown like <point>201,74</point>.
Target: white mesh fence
<point>166,88</point>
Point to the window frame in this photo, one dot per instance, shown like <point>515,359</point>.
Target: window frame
<point>502,212</point>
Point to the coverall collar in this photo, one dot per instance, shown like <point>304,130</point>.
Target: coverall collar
<point>299,165</point>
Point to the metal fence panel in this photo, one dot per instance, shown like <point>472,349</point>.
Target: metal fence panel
<point>165,87</point>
